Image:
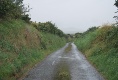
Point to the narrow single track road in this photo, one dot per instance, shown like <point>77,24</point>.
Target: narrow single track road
<point>65,64</point>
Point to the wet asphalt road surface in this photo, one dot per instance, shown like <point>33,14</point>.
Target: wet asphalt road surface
<point>71,64</point>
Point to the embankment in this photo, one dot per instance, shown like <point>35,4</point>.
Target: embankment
<point>22,46</point>
<point>100,46</point>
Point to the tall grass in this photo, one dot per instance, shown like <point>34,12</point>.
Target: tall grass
<point>101,48</point>
<point>22,46</point>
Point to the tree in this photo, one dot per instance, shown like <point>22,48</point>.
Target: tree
<point>49,27</point>
<point>26,18</point>
<point>77,35</point>
<point>11,9</point>
<point>116,4</point>
<point>90,30</point>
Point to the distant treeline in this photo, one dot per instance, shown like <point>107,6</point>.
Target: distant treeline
<point>48,27</point>
<point>77,35</point>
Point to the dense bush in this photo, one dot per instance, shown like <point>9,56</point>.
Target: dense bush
<point>49,27</point>
<point>13,9</point>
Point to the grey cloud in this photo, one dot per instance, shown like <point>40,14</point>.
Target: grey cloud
<point>73,16</point>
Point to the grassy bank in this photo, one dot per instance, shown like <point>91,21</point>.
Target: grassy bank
<point>22,46</point>
<point>100,46</point>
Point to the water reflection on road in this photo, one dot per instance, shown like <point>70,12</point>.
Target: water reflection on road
<point>65,64</point>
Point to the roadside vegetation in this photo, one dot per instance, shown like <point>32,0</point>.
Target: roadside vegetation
<point>22,46</point>
<point>24,43</point>
<point>100,46</point>
<point>14,9</point>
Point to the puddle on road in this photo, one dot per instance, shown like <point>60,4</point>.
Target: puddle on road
<point>62,69</point>
<point>68,48</point>
<point>62,72</point>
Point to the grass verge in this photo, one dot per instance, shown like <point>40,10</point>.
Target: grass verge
<point>101,48</point>
<point>22,46</point>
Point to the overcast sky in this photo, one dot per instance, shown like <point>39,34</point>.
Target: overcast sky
<point>73,16</point>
